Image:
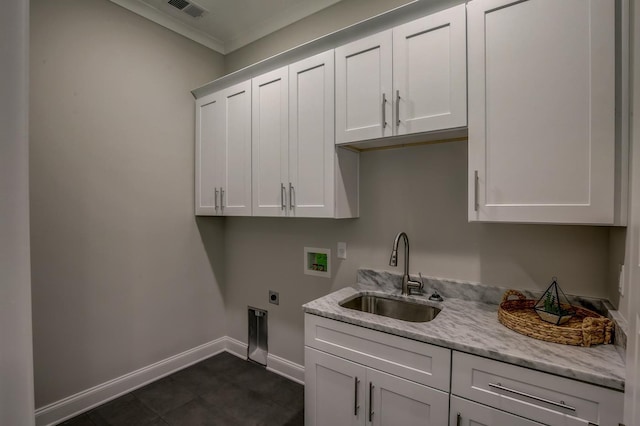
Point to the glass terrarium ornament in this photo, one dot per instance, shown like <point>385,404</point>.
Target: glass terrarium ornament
<point>554,306</point>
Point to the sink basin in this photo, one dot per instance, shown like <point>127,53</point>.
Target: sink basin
<point>392,308</point>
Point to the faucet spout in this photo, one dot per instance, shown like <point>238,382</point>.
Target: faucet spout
<point>407,284</point>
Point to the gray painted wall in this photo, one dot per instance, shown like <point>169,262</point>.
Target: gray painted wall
<point>16,361</point>
<point>422,191</point>
<point>122,272</point>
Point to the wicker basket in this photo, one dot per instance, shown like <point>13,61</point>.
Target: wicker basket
<point>586,328</point>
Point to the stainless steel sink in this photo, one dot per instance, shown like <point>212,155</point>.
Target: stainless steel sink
<point>392,308</point>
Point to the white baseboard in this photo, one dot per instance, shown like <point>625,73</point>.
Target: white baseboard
<point>81,402</point>
<point>276,364</point>
<point>286,368</point>
<point>236,347</point>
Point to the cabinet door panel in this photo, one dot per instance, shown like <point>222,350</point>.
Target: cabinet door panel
<point>363,80</point>
<point>334,390</point>
<point>207,182</point>
<point>270,142</point>
<point>236,157</point>
<point>541,111</point>
<point>473,414</point>
<point>429,73</point>
<point>396,401</point>
<point>311,144</point>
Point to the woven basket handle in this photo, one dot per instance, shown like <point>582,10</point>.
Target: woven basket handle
<point>509,293</point>
<point>596,330</point>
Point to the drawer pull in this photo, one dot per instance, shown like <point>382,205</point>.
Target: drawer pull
<point>560,404</point>
<point>458,419</point>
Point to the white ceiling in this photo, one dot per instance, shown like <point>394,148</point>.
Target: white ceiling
<point>229,24</point>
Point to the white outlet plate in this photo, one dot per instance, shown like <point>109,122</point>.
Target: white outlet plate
<point>342,251</point>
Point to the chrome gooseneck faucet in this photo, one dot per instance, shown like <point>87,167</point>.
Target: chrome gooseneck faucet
<point>407,284</point>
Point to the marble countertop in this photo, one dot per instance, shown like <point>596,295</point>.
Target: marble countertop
<point>473,327</point>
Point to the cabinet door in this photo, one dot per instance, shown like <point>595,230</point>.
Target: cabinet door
<point>311,133</point>
<point>270,143</point>
<point>363,88</point>
<point>541,111</point>
<point>430,73</point>
<point>334,390</point>
<point>208,124</point>
<point>467,413</point>
<point>395,401</point>
<point>235,150</point>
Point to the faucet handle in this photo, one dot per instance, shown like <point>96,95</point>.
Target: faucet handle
<point>416,286</point>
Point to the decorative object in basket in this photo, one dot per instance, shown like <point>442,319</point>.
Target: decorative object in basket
<point>554,306</point>
<point>584,328</point>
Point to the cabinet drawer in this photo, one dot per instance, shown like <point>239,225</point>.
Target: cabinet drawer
<point>406,358</point>
<point>538,396</point>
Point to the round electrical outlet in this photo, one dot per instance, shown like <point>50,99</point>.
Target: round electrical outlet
<point>274,297</point>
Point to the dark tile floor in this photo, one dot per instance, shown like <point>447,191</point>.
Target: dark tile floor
<point>221,390</point>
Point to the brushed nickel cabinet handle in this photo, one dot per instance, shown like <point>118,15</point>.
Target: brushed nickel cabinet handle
<point>397,108</point>
<point>384,111</point>
<point>283,197</point>
<point>215,197</point>
<point>560,404</point>
<point>356,407</point>
<point>476,184</point>
<point>292,193</point>
<point>221,199</point>
<point>371,402</point>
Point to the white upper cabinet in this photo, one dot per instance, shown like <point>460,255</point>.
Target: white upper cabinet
<point>207,182</point>
<point>311,137</point>
<point>270,144</point>
<point>430,73</point>
<point>297,170</point>
<point>541,111</point>
<point>364,89</point>
<point>406,80</point>
<point>223,152</point>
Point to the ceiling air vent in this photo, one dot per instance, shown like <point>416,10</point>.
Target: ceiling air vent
<point>189,8</point>
<point>179,4</point>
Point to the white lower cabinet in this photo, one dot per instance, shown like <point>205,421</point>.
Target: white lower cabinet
<point>468,413</point>
<point>542,397</point>
<point>358,376</point>
<point>341,392</point>
<point>334,390</point>
<point>396,401</point>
